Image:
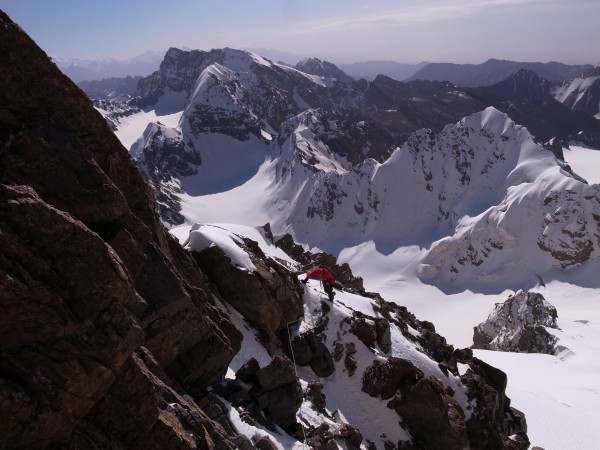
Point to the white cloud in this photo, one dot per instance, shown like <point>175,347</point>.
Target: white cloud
<point>408,15</point>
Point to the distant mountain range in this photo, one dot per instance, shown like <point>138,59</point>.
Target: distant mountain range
<point>495,70</point>
<point>370,69</point>
<point>98,69</point>
<point>110,88</point>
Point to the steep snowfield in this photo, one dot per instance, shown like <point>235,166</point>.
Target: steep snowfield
<point>572,92</point>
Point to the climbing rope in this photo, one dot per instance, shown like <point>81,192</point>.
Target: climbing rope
<point>295,371</point>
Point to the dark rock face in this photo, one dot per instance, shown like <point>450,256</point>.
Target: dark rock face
<point>434,418</point>
<point>519,325</point>
<point>152,413</point>
<point>269,297</point>
<point>89,275</point>
<point>309,349</point>
<point>65,334</point>
<point>494,423</point>
<point>275,390</point>
<point>382,380</point>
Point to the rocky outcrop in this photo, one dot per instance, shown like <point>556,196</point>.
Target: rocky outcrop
<point>153,413</point>
<point>276,390</point>
<point>342,273</point>
<point>89,276</point>
<point>162,149</point>
<point>519,325</point>
<point>268,297</point>
<point>428,403</point>
<point>494,423</point>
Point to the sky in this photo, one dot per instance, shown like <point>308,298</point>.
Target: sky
<point>341,31</point>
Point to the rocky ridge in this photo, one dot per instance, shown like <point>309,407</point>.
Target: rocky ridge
<point>324,69</point>
<point>551,110</point>
<point>371,349</point>
<point>103,310</point>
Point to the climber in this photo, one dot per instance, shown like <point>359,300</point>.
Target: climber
<point>322,274</point>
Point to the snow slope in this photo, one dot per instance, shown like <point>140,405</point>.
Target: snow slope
<point>584,161</point>
<point>167,111</point>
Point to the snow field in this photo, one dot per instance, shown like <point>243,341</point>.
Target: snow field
<point>560,395</point>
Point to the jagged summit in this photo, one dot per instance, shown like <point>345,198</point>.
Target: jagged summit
<point>323,68</point>
<point>523,84</point>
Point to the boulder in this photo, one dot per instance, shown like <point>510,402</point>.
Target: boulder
<point>519,325</point>
<point>383,379</point>
<point>275,389</point>
<point>435,419</point>
<point>493,422</point>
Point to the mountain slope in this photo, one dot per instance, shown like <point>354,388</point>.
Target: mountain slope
<point>534,102</point>
<point>102,311</point>
<point>581,93</point>
<point>113,336</point>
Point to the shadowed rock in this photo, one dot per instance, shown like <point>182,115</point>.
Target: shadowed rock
<point>89,274</point>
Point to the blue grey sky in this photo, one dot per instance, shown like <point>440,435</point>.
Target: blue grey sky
<point>342,31</point>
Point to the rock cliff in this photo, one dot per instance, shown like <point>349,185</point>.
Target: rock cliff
<point>103,312</point>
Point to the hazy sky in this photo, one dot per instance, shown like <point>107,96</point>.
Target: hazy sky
<point>461,31</point>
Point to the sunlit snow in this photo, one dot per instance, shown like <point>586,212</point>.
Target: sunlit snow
<point>584,161</point>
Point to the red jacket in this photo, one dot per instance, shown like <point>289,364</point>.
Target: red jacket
<point>321,274</point>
